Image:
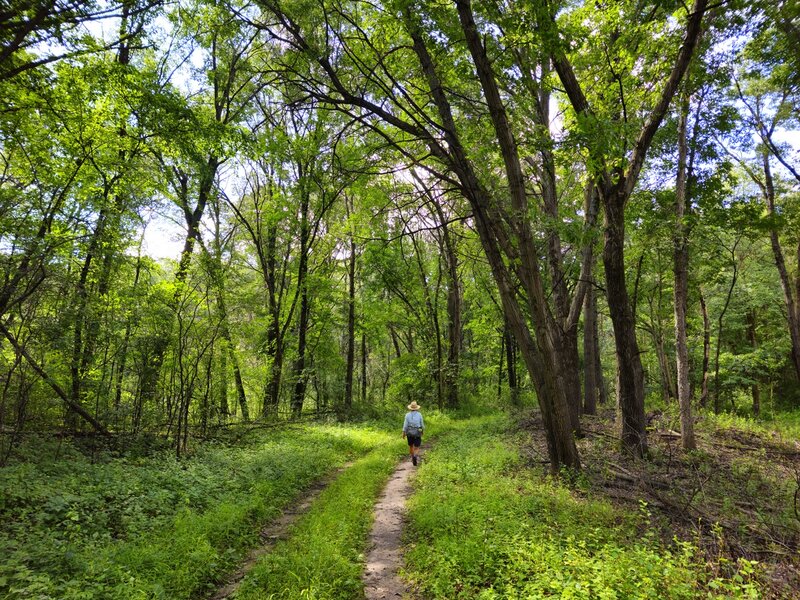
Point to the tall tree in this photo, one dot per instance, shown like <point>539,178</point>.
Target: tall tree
<point>616,168</point>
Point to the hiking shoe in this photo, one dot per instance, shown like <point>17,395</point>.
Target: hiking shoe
<point>414,460</point>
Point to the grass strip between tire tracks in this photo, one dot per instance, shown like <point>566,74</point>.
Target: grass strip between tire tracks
<point>324,557</point>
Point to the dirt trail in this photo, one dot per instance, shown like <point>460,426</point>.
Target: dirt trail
<point>276,531</point>
<point>385,556</point>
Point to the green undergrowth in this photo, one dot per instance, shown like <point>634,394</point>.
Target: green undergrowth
<point>484,526</point>
<point>324,557</point>
<point>156,527</point>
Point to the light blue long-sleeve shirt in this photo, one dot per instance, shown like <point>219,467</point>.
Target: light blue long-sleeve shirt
<point>413,419</point>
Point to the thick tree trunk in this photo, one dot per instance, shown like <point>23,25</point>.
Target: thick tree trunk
<point>539,354</point>
<point>272,388</point>
<point>569,368</point>
<point>616,186</point>
<point>681,286</point>
<point>630,391</point>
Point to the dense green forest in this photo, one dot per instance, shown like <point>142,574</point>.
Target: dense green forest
<point>585,211</point>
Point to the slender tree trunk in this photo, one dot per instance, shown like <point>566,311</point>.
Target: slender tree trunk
<point>364,369</point>
<point>664,368</point>
<point>511,363</point>
<point>123,358</point>
<point>81,318</point>
<point>300,377</point>
<point>590,360</point>
<point>751,334</point>
<point>681,285</point>
<point>152,370</point>
<point>274,347</point>
<point>717,399</point>
<point>500,366</point>
<point>237,378</point>
<point>454,329</point>
<point>706,351</point>
<point>351,328</point>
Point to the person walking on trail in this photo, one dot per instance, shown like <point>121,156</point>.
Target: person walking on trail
<point>413,426</point>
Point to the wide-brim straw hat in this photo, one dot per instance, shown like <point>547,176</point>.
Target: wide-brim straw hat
<point>414,406</point>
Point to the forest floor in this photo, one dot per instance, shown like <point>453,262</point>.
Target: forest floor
<point>735,497</point>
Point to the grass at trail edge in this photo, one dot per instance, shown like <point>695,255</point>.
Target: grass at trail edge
<point>155,528</point>
<point>484,525</point>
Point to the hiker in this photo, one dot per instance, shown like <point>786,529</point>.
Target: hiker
<point>413,426</point>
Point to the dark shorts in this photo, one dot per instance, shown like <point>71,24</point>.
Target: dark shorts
<point>414,440</point>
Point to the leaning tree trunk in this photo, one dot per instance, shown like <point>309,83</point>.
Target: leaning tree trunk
<point>791,298</point>
<point>539,354</point>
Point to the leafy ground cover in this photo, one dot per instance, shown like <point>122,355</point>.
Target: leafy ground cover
<point>484,524</point>
<point>735,497</point>
<point>155,527</point>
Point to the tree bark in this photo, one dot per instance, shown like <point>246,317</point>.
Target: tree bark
<point>590,360</point>
<point>539,354</point>
<point>630,374</point>
<point>364,369</point>
<point>616,185</point>
<point>681,286</point>
<point>511,363</point>
<point>791,298</point>
<point>706,351</point>
<point>351,327</point>
<point>77,408</point>
<point>754,388</point>
<point>300,377</point>
<point>735,266</point>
